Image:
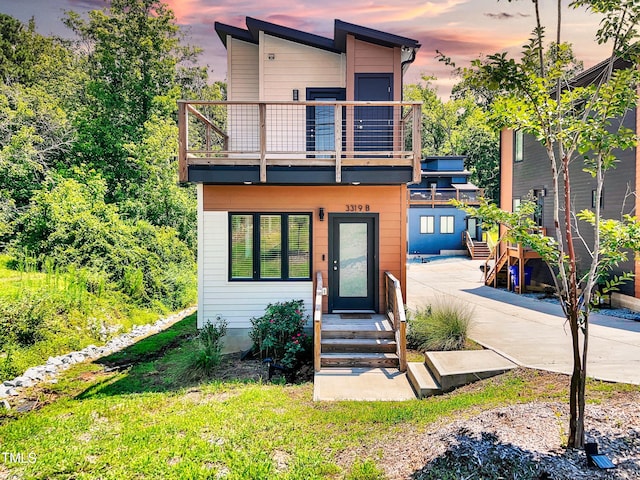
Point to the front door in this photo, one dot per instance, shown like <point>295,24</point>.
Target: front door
<point>353,267</point>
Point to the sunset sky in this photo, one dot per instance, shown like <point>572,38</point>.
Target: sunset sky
<point>461,29</point>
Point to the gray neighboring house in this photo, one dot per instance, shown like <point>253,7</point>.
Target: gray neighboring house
<point>525,173</point>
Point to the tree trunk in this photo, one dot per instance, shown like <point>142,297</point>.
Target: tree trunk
<point>578,376</point>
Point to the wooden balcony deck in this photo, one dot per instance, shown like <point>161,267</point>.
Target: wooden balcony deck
<point>334,134</point>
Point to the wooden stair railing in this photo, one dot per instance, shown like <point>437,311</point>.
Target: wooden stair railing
<point>491,274</point>
<point>317,323</point>
<point>397,317</point>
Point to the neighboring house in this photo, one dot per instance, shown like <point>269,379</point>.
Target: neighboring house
<point>302,172</point>
<point>525,174</point>
<point>436,226</point>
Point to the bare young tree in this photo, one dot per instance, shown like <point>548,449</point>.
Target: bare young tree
<point>575,121</point>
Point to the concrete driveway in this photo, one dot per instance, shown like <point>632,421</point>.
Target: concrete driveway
<point>529,332</point>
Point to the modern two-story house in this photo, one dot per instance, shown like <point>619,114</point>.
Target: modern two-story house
<point>302,173</point>
<point>525,173</point>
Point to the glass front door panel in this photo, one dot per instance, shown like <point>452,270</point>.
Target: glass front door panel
<point>353,260</point>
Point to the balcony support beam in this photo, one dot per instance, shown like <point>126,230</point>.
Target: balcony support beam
<point>417,142</point>
<point>262,109</point>
<point>337,122</point>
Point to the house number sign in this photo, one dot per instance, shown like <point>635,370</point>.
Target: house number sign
<point>351,207</point>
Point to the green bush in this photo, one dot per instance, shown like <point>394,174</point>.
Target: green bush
<point>71,227</point>
<point>443,325</point>
<point>208,350</point>
<point>278,333</point>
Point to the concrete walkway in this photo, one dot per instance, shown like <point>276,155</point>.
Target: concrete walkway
<point>527,331</point>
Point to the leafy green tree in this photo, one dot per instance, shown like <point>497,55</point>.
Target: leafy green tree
<point>134,52</point>
<point>574,122</point>
<point>459,126</point>
<point>35,134</point>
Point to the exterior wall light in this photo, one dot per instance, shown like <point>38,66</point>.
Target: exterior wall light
<point>321,214</point>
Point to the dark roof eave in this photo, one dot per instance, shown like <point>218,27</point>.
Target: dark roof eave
<point>224,30</point>
<point>255,26</point>
<point>341,29</point>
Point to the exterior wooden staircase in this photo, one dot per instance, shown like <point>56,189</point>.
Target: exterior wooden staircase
<point>478,250</point>
<point>492,272</point>
<point>358,342</point>
<point>361,340</point>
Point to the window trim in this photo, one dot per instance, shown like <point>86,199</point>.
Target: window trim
<point>433,225</point>
<point>284,247</point>
<point>518,137</point>
<point>453,224</point>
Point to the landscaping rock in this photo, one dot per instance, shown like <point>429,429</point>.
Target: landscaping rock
<point>40,373</point>
<point>54,361</point>
<point>23,382</point>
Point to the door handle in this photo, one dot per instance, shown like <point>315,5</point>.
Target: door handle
<point>335,268</point>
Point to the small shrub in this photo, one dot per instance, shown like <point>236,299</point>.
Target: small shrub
<point>440,326</point>
<point>278,333</point>
<point>208,350</point>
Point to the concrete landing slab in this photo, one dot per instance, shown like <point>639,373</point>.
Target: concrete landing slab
<point>453,369</point>
<point>362,384</point>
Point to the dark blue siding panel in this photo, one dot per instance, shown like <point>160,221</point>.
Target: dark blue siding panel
<point>433,243</point>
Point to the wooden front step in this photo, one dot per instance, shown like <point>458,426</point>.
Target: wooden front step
<point>361,342</point>
<point>358,345</point>
<point>372,360</point>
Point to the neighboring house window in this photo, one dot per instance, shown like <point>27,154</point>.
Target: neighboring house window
<point>447,224</point>
<point>427,224</point>
<point>593,199</point>
<point>518,146</point>
<point>270,246</point>
<point>516,204</point>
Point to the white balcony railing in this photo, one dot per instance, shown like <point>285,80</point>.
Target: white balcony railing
<point>317,133</point>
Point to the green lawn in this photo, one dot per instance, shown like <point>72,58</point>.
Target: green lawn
<point>146,422</point>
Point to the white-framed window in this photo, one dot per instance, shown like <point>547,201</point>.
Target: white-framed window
<point>518,146</point>
<point>427,223</point>
<point>447,224</point>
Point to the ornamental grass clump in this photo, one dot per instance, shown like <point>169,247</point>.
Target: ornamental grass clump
<point>208,349</point>
<point>278,334</point>
<point>443,325</point>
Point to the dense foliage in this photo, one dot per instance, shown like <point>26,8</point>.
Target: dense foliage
<point>88,176</point>
<point>459,126</point>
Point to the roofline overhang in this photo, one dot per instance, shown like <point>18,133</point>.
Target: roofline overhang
<point>255,26</point>
<point>224,31</point>
<point>336,45</point>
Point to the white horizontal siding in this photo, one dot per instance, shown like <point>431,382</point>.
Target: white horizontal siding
<point>236,302</point>
<point>242,70</point>
<point>297,66</point>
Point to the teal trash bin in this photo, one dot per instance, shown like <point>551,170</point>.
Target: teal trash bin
<point>515,275</point>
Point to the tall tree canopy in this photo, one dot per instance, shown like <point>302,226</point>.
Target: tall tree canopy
<point>133,51</point>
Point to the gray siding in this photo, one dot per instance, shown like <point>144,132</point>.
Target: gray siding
<point>534,173</point>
